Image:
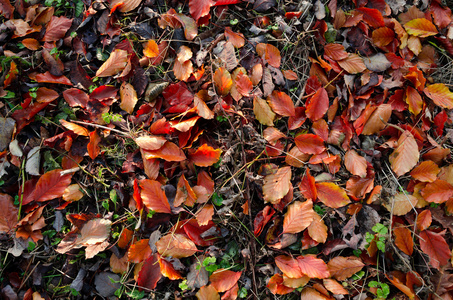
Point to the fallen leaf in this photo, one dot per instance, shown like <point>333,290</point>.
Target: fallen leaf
<point>263,112</point>
<point>440,94</point>
<point>298,217</point>
<point>403,240</point>
<point>383,36</point>
<point>223,81</point>
<point>406,155</point>
<point>223,280</point>
<point>334,287</point>
<point>276,186</point>
<point>114,64</point>
<point>434,245</point>
<point>353,64</point>
<point>281,104</point>
<point>8,213</point>
<point>139,251</point>
<point>355,163</point>
<point>207,292</point>
<point>150,142</point>
<point>426,171</point>
<point>424,220</point>
<point>438,191</point>
<point>154,197</point>
<point>309,143</point>
<point>317,105</point>
<point>401,204</point>
<point>151,49</point>
<point>128,97</point>
<point>318,229</point>
<point>313,267</point>
<point>332,195</point>
<point>93,145</point>
<point>205,156</point>
<point>149,273</point>
<point>420,27</point>
<point>342,268</point>
<point>270,53</point>
<point>51,185</point>
<point>176,245</point>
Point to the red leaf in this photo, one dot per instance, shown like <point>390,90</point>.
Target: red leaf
<point>8,213</point>
<point>318,105</point>
<point>6,9</point>
<point>237,39</point>
<point>434,245</point>
<point>137,196</point>
<point>309,143</point>
<point>149,274</point>
<point>46,95</point>
<point>261,219</point>
<point>383,36</point>
<point>49,78</point>
<point>414,100</point>
<point>403,240</point>
<point>124,5</point>
<point>93,146</point>
<point>154,197</point>
<point>57,28</point>
<point>335,51</point>
<point>75,97</point>
<point>372,16</point>
<point>308,187</point>
<point>167,269</point>
<point>125,238</point>
<point>205,156</point>
<point>223,81</point>
<point>200,8</point>
<point>332,195</point>
<point>281,104</point>
<point>223,280</point>
<point>51,185</point>
<point>313,267</point>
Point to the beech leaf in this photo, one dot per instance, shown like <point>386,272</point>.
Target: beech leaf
<point>277,185</point>
<point>298,217</point>
<point>434,245</point>
<point>406,154</point>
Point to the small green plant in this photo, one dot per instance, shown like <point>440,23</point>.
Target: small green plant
<point>109,117</point>
<point>31,246</point>
<point>383,289</point>
<point>183,285</point>
<point>221,119</point>
<point>380,236</point>
<point>209,263</point>
<point>217,199</point>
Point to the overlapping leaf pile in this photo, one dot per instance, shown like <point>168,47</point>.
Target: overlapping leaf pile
<point>212,166</point>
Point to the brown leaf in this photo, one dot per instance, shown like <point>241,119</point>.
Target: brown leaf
<point>281,104</point>
<point>401,204</point>
<point>406,155</point>
<point>263,112</point>
<point>438,191</point>
<point>270,53</point>
<point>57,28</point>
<point>8,213</point>
<point>424,219</point>
<point>276,186</point>
<point>426,171</point>
<point>332,195</point>
<point>139,251</point>
<point>51,185</point>
<point>154,197</point>
<point>207,292</point>
<point>318,229</point>
<point>434,245</point>
<point>223,280</point>
<point>342,268</point>
<point>176,245</point>
<point>355,163</point>
<point>128,97</point>
<point>114,64</point>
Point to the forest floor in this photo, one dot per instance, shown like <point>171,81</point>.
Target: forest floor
<point>226,149</point>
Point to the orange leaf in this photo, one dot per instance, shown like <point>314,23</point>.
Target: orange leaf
<point>317,105</point>
<point>434,245</point>
<point>77,129</point>
<point>295,282</point>
<point>383,36</point>
<point>8,213</point>
<point>355,163</point>
<point>176,245</point>
<point>139,251</point>
<point>51,185</point>
<point>414,100</point>
<point>125,238</point>
<point>308,187</point>
<point>290,75</point>
<point>289,266</point>
<point>237,39</point>
<point>125,6</point>
<point>332,195</point>
<point>223,81</point>
<point>205,215</point>
<point>296,158</point>
<point>93,145</point>
<point>184,193</point>
<point>151,49</point>
<point>207,292</point>
<point>154,197</point>
<point>242,84</point>
<point>318,229</point>
<point>167,269</point>
<point>118,265</point>
<point>440,94</point>
<point>420,27</point>
<point>49,78</point>
<point>199,102</point>
<point>426,171</point>
<point>168,152</point>
<point>342,268</point>
<point>256,74</point>
<point>377,120</point>
<point>200,8</point>
<point>128,97</point>
<point>276,185</point>
<point>275,285</point>
<point>313,267</point>
<point>114,64</point>
<point>263,112</point>
<point>397,281</point>
<point>298,217</point>
<point>406,155</point>
<point>310,143</point>
<point>223,280</point>
<point>150,142</point>
<point>72,193</point>
<point>334,287</point>
<point>205,156</point>
<point>335,51</point>
<point>403,240</point>
<point>401,204</point>
<point>424,220</point>
<point>353,64</point>
<point>438,191</point>
<point>270,53</point>
<point>281,104</point>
